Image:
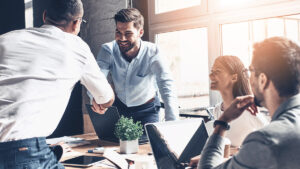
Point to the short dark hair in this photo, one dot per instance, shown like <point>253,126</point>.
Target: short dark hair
<point>64,10</point>
<point>130,15</point>
<point>235,66</point>
<point>279,59</point>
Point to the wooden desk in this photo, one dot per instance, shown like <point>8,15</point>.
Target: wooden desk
<point>95,142</point>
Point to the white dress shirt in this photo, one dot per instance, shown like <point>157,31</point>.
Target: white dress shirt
<point>135,81</point>
<point>38,70</point>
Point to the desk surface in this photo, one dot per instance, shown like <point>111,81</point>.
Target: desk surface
<point>95,142</point>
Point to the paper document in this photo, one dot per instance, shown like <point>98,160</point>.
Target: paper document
<point>116,158</point>
<point>71,141</point>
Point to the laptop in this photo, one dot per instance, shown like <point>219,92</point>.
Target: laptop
<point>104,124</point>
<point>174,143</point>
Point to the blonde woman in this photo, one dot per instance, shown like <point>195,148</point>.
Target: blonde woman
<point>228,76</point>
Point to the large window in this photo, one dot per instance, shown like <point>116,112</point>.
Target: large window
<point>28,13</point>
<point>171,5</point>
<point>186,51</point>
<point>231,28</point>
<point>238,38</point>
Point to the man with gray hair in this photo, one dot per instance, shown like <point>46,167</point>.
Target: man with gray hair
<point>38,70</point>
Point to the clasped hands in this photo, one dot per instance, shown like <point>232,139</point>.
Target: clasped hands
<point>99,108</point>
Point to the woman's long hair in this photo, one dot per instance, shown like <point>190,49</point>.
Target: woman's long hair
<point>235,66</point>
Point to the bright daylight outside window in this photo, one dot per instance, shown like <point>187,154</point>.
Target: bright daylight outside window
<point>171,5</point>
<point>238,38</point>
<point>187,53</point>
<point>28,13</point>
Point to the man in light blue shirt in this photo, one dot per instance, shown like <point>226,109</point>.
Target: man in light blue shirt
<point>135,67</point>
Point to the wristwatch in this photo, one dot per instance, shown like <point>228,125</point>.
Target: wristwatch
<point>222,123</point>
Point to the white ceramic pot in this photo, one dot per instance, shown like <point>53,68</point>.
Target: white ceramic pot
<point>128,147</point>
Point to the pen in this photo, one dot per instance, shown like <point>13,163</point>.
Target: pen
<point>97,150</point>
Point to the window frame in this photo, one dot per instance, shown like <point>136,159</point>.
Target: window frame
<point>210,16</point>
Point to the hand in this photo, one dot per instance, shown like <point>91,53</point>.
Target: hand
<point>237,107</point>
<point>66,147</point>
<point>194,161</point>
<point>60,148</point>
<point>98,107</point>
<point>252,109</point>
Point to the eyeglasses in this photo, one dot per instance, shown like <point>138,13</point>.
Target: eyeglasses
<point>82,20</point>
<point>247,72</point>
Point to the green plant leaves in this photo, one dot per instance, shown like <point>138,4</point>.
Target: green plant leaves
<point>127,129</point>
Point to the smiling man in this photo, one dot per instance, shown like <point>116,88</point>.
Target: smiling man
<point>136,67</point>
<point>275,81</point>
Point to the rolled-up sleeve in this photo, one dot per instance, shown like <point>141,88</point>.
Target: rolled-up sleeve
<point>95,81</point>
<point>256,153</point>
<point>166,87</point>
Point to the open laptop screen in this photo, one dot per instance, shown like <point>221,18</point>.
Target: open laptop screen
<point>104,124</point>
<point>175,142</point>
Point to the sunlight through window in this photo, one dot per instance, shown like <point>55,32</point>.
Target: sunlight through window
<point>171,5</point>
<point>238,38</point>
<point>187,53</point>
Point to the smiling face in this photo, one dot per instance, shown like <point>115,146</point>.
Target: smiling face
<point>127,36</point>
<point>221,79</point>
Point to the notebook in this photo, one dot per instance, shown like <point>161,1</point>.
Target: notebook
<point>104,124</point>
<point>174,143</point>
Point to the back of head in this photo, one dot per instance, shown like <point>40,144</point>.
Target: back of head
<point>279,59</point>
<point>130,15</point>
<point>235,66</point>
<point>63,11</point>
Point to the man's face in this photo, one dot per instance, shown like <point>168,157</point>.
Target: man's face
<point>258,96</point>
<point>127,36</point>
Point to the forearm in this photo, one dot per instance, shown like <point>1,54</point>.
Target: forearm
<point>171,110</point>
<point>169,97</point>
<point>212,154</point>
<point>108,104</point>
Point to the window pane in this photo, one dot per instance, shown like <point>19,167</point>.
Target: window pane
<point>275,27</point>
<point>28,13</point>
<point>188,54</point>
<point>235,39</point>
<point>259,30</point>
<point>292,29</point>
<point>238,38</point>
<point>171,5</point>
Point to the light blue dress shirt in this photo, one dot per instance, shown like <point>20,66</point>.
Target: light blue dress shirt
<point>134,82</point>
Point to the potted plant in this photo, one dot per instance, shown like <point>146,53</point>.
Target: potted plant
<point>128,132</point>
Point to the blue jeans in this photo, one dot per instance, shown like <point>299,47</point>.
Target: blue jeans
<point>31,153</point>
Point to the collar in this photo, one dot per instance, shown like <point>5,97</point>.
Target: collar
<point>290,103</point>
<point>138,56</point>
<point>52,27</point>
<point>140,50</point>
